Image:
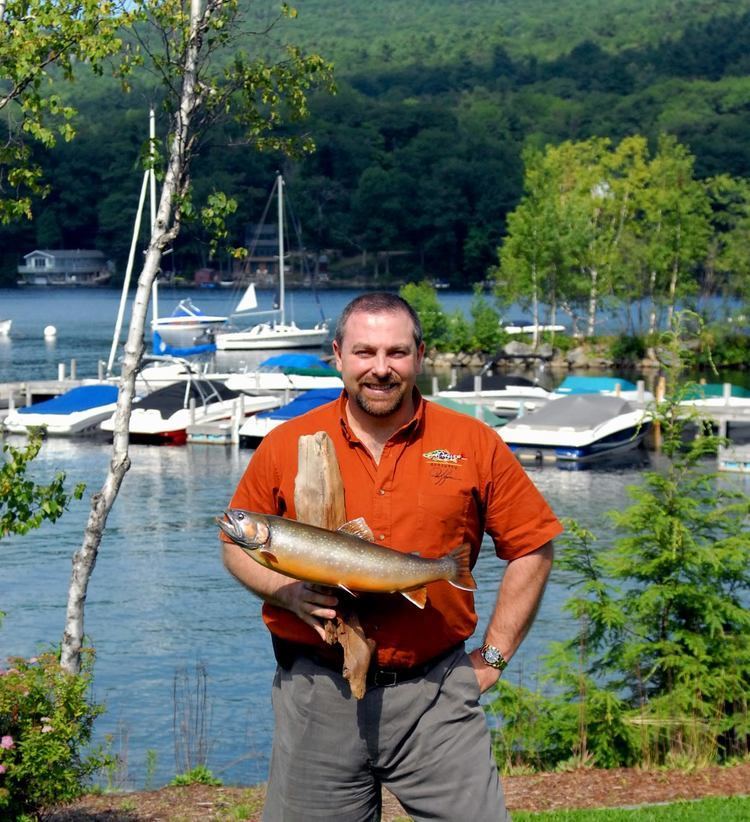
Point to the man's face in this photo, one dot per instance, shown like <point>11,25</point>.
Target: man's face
<point>379,360</point>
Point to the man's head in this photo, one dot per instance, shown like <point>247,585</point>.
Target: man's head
<point>379,351</point>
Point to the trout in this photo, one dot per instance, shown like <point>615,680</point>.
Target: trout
<point>346,558</point>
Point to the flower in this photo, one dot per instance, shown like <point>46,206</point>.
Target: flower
<point>46,729</point>
<point>6,742</point>
<point>2,768</point>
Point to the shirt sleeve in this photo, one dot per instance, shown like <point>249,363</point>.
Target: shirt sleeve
<point>518,518</point>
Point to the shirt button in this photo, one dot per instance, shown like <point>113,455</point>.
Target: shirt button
<point>381,492</point>
<point>382,536</point>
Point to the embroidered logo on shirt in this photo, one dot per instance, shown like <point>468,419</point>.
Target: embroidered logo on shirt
<point>443,456</point>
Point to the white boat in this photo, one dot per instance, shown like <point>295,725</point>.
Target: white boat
<point>502,392</point>
<point>577,428</point>
<point>165,414</point>
<point>277,333</point>
<point>526,327</point>
<point>707,396</point>
<point>78,411</point>
<point>257,426</point>
<point>186,327</point>
<point>606,386</point>
<point>287,372</point>
<point>5,326</point>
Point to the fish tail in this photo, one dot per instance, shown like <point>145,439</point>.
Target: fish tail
<point>462,559</point>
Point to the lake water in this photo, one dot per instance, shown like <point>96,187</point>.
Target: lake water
<point>159,600</point>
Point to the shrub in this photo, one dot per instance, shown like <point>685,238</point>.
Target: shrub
<point>46,718</point>
<point>626,350</point>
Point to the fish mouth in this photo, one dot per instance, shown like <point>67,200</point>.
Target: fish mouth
<point>229,525</point>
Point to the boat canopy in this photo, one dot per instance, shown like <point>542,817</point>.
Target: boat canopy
<point>576,412</point>
<point>77,399</point>
<point>308,364</point>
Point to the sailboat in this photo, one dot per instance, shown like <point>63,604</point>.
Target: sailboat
<point>277,333</point>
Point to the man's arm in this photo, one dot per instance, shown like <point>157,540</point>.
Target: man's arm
<point>517,603</point>
<point>311,603</point>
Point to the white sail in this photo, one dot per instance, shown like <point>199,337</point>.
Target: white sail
<point>248,302</point>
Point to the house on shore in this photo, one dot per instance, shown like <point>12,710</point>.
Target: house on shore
<point>79,268</point>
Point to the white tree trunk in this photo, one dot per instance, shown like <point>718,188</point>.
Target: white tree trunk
<point>593,298</point>
<point>673,279</point>
<point>535,306</point>
<point>164,230</point>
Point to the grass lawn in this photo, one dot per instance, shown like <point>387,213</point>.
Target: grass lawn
<point>730,809</point>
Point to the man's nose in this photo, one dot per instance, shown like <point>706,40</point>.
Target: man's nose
<point>380,365</point>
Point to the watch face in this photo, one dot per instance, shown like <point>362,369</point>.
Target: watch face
<point>492,656</point>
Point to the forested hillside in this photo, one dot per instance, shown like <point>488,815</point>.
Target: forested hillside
<point>420,150</point>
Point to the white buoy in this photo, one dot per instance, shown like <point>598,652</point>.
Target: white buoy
<point>50,332</point>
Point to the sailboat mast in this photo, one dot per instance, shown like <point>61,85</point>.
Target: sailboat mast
<point>280,182</point>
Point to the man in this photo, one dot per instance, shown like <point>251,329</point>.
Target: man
<point>425,479</point>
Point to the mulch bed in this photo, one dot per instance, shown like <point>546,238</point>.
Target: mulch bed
<point>585,788</point>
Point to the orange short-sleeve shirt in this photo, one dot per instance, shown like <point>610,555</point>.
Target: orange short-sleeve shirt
<point>443,479</point>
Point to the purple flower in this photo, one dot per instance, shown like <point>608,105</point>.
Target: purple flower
<point>2,768</point>
<point>6,742</point>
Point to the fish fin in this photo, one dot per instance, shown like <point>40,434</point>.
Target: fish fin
<point>463,578</point>
<point>358,528</point>
<point>268,556</point>
<point>348,591</point>
<point>417,597</point>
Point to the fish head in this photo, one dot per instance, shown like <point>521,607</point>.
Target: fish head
<point>248,530</point>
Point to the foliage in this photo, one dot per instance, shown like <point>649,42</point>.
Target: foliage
<point>627,350</point>
<point>728,809</point>
<point>25,504</point>
<point>40,39</point>
<point>422,297</point>
<point>659,670</point>
<point>199,775</point>
<point>485,332</point>
<point>46,718</point>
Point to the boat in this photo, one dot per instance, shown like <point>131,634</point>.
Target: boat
<point>76,412</point>
<point>164,415</point>
<point>577,428</point>
<point>606,386</point>
<point>287,372</point>
<point>708,396</point>
<point>503,392</point>
<point>5,326</point>
<point>277,333</point>
<point>185,328</point>
<point>256,427</point>
<point>527,327</point>
<point>472,409</point>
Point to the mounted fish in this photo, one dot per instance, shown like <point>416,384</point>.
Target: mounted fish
<point>346,558</point>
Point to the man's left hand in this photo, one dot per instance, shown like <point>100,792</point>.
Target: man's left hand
<point>486,675</point>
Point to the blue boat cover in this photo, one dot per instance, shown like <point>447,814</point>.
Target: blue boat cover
<point>295,361</point>
<point>592,385</point>
<point>160,347</point>
<point>713,389</point>
<point>77,399</point>
<point>302,404</point>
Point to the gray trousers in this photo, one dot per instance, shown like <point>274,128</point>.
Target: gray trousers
<point>425,739</point>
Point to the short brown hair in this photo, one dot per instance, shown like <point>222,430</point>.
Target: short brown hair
<point>378,302</point>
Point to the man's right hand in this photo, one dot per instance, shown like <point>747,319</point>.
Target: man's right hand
<point>313,604</point>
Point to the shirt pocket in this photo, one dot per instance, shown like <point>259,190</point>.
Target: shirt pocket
<point>441,522</point>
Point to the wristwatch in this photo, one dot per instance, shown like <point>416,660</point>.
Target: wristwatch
<point>493,657</point>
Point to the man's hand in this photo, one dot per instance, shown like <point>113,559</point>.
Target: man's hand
<point>313,604</point>
<point>486,675</point>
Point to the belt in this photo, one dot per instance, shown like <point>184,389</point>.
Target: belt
<point>287,652</point>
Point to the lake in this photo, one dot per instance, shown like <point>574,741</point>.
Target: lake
<point>160,601</point>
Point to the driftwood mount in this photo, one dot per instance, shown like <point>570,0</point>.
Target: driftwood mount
<point>319,500</point>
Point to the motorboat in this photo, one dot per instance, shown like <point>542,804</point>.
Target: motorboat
<point>277,333</point>
<point>287,372</point>
<point>503,392</point>
<point>576,428</point>
<point>5,326</point>
<point>164,415</point>
<point>76,412</point>
<point>186,327</point>
<point>472,409</point>
<point>708,396</point>
<point>517,326</point>
<point>256,427</point>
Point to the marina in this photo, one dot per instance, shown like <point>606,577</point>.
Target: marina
<point>160,602</point>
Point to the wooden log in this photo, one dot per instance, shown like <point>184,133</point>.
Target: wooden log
<point>319,500</point>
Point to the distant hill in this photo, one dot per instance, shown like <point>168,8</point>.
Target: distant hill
<point>419,153</point>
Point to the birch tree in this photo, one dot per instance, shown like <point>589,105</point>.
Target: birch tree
<point>42,40</point>
<point>200,90</point>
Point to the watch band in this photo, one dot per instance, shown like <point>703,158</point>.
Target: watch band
<point>493,657</point>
